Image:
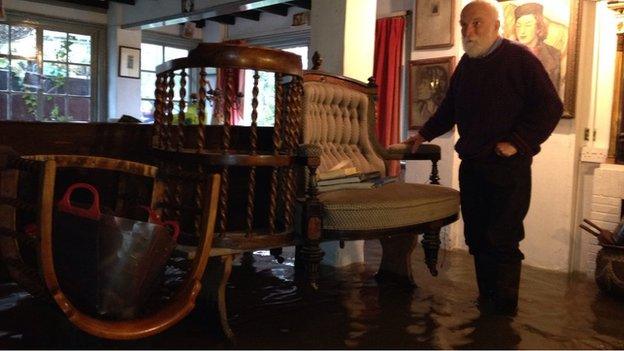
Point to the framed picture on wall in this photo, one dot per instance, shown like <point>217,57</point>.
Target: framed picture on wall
<point>549,29</point>
<point>428,81</point>
<point>129,62</point>
<point>433,24</point>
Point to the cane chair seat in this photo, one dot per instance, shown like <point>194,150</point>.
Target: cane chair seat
<point>394,205</point>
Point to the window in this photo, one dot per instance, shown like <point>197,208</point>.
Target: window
<point>46,71</point>
<point>153,55</point>
<point>266,91</point>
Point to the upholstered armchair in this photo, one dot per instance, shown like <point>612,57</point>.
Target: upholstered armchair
<point>338,124</point>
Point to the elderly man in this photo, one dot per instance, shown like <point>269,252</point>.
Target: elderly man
<point>504,105</point>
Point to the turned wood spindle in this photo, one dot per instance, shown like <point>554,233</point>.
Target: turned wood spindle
<point>182,107</point>
<point>251,190</point>
<point>201,111</point>
<point>277,140</point>
<point>169,119</point>
<point>157,132</point>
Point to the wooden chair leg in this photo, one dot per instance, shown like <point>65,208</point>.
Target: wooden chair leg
<point>311,256</point>
<point>396,259</point>
<point>310,252</point>
<point>431,245</point>
<point>214,283</point>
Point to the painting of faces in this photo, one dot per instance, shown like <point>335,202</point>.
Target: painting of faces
<point>541,25</point>
<point>429,80</point>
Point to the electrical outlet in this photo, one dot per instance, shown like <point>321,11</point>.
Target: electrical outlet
<point>590,154</point>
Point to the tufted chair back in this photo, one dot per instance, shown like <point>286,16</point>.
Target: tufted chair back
<point>336,118</point>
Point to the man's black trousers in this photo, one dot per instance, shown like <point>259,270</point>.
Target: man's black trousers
<point>495,195</point>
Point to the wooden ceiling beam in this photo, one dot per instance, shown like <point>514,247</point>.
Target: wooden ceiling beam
<point>224,19</point>
<point>279,9</point>
<point>127,2</point>
<point>253,15</point>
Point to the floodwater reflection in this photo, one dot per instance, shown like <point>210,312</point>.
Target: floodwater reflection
<point>269,310</point>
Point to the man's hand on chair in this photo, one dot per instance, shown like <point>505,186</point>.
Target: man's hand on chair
<point>415,141</point>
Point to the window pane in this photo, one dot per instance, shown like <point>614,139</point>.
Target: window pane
<point>266,98</point>
<point>79,81</point>
<point>24,75</point>
<point>148,85</point>
<point>151,56</point>
<point>4,39</point>
<point>24,41</point>
<point>147,110</point>
<point>3,106</point>
<point>54,46</point>
<point>79,109</point>
<point>55,78</point>
<point>54,109</point>
<point>4,73</point>
<point>79,48</point>
<point>174,53</point>
<point>24,107</point>
<point>176,88</point>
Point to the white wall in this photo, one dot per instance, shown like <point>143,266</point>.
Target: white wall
<point>124,94</point>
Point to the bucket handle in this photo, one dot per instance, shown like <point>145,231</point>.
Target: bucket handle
<point>155,218</point>
<point>92,212</point>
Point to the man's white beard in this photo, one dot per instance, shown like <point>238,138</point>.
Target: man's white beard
<point>474,48</point>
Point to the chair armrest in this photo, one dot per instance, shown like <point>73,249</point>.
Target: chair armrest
<point>401,151</point>
<point>309,156</point>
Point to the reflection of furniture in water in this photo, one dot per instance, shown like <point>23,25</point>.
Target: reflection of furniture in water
<point>28,188</point>
<point>268,197</point>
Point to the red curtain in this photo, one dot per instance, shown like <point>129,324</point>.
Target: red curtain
<point>389,34</point>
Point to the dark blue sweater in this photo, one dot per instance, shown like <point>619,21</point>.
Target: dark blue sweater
<point>504,96</point>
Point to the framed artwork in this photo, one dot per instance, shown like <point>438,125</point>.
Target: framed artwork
<point>129,62</point>
<point>550,29</point>
<point>187,5</point>
<point>428,81</point>
<point>433,24</point>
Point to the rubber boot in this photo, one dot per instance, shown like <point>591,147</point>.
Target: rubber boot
<point>485,269</point>
<point>507,286</point>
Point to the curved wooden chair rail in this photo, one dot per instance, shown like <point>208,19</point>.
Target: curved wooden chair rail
<point>184,299</point>
<point>185,147</point>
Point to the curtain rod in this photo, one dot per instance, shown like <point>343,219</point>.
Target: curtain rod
<point>403,13</point>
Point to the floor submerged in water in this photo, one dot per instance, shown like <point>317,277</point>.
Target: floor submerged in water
<point>350,310</point>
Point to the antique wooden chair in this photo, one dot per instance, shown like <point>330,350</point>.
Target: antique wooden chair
<point>338,124</point>
<point>257,164</point>
<point>263,169</point>
<point>27,195</point>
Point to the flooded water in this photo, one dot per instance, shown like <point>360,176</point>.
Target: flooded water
<point>268,311</point>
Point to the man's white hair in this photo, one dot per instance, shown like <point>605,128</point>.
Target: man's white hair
<point>493,7</point>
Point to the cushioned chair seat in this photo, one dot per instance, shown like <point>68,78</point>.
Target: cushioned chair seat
<point>391,206</point>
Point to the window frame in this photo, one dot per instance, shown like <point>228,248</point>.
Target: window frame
<point>98,66</point>
<point>172,41</point>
